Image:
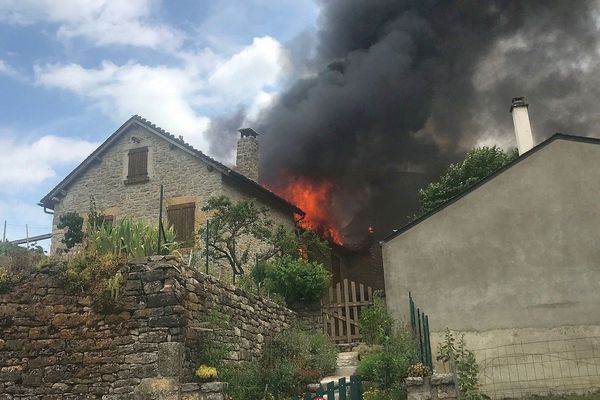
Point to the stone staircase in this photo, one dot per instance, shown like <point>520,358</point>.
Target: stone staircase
<point>347,363</point>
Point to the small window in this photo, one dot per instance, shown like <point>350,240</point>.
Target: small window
<point>137,170</point>
<point>181,218</point>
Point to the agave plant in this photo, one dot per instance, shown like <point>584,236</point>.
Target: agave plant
<point>128,238</point>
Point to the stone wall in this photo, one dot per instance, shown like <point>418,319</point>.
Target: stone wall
<point>437,386</point>
<point>54,346</point>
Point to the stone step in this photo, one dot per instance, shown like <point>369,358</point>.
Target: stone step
<point>347,359</point>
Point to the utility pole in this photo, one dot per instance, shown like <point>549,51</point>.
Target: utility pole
<point>4,234</point>
<point>27,234</point>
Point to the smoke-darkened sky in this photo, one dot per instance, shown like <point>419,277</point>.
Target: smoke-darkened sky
<point>403,88</point>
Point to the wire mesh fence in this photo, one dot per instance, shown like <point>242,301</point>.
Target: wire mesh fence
<point>541,368</point>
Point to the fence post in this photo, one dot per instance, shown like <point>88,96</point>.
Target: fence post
<point>355,388</point>
<point>342,389</point>
<point>331,390</point>
<point>160,227</point>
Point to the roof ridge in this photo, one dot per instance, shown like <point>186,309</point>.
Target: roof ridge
<point>178,139</point>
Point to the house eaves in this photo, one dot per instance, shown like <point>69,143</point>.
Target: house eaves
<point>557,136</point>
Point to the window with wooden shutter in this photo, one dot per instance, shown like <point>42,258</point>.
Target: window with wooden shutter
<point>137,170</point>
<point>181,218</point>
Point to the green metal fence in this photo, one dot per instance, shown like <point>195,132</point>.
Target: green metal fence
<point>342,390</point>
<point>419,322</point>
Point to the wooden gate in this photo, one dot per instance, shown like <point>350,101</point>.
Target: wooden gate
<point>341,309</point>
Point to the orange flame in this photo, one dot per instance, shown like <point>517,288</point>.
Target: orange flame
<point>314,199</point>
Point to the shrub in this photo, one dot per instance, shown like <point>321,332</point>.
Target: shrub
<point>467,370</point>
<point>298,280</point>
<point>73,222</point>
<point>245,382</point>
<point>296,357</point>
<point>375,324</point>
<point>205,372</point>
<point>419,370</point>
<point>388,368</point>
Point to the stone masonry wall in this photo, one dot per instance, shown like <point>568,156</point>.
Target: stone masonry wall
<point>54,346</point>
<point>437,386</point>
<point>185,178</point>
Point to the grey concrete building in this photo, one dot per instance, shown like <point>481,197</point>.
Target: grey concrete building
<point>514,260</point>
<point>124,176</point>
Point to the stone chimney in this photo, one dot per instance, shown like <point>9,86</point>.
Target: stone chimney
<point>520,114</point>
<point>247,154</point>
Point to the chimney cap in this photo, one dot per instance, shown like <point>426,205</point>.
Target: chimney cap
<point>518,102</point>
<point>248,132</point>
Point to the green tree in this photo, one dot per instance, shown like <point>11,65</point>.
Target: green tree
<point>230,223</point>
<point>232,227</point>
<point>478,164</point>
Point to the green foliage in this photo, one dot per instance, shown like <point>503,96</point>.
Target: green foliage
<point>245,382</point>
<point>6,281</point>
<point>290,360</point>
<point>128,238</point>
<point>478,164</point>
<point>16,263</point>
<point>229,223</point>
<point>465,364</point>
<point>375,324</point>
<point>298,280</point>
<point>388,368</point>
<point>296,357</point>
<point>98,276</point>
<point>73,222</point>
<point>231,227</point>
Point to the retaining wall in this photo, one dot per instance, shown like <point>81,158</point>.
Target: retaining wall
<point>53,345</point>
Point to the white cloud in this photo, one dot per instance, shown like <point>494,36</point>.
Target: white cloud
<point>7,70</point>
<point>32,163</point>
<point>104,22</point>
<point>173,97</point>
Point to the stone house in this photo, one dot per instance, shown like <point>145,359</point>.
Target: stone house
<point>514,259</point>
<point>124,176</point>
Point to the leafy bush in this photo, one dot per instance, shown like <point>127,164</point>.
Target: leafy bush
<point>73,222</point>
<point>290,360</point>
<point>385,363</point>
<point>375,324</point>
<point>245,382</point>
<point>419,370</point>
<point>296,357</point>
<point>467,370</point>
<point>298,280</point>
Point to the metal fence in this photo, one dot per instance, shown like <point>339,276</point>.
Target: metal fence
<point>419,322</point>
<point>550,367</point>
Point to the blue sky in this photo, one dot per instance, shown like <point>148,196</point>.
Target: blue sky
<point>72,71</point>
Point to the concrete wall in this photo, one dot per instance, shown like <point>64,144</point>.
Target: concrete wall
<point>185,179</point>
<point>512,261</point>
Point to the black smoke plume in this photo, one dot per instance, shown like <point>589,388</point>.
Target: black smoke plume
<point>406,87</point>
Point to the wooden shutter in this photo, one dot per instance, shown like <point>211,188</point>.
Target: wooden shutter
<point>138,163</point>
<point>181,218</point>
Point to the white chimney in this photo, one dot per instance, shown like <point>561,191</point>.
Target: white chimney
<point>520,115</point>
<point>247,154</point>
